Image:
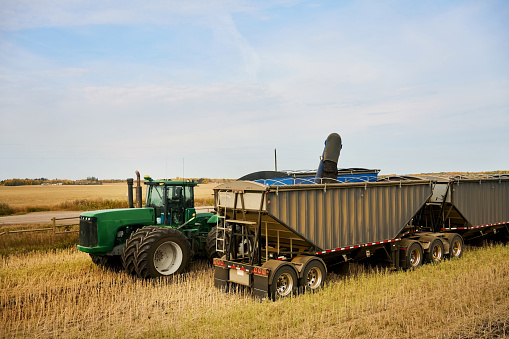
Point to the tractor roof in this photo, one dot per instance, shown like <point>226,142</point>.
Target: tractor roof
<point>170,183</point>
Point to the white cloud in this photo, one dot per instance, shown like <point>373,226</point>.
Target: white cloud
<point>27,14</point>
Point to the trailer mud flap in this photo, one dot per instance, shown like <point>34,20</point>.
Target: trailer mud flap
<point>221,276</point>
<point>260,286</point>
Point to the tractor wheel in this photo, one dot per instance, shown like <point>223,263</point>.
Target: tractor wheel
<point>130,249</point>
<point>456,246</point>
<point>313,276</point>
<point>106,261</point>
<point>414,257</point>
<point>210,245</point>
<point>284,283</point>
<point>163,251</point>
<point>436,251</point>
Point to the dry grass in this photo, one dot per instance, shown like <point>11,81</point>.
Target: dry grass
<point>25,242</point>
<point>62,294</point>
<point>64,197</point>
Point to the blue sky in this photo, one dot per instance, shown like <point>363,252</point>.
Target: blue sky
<point>211,88</point>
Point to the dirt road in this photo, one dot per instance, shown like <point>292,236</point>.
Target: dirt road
<point>44,218</point>
<point>40,218</point>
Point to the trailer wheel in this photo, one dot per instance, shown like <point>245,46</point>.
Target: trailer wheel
<point>435,253</point>
<point>130,249</point>
<point>456,246</point>
<point>106,261</point>
<point>414,257</point>
<point>163,251</point>
<point>284,283</point>
<point>313,275</point>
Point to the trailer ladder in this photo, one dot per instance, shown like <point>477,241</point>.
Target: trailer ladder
<point>221,231</point>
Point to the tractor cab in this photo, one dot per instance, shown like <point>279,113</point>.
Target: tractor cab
<point>173,201</point>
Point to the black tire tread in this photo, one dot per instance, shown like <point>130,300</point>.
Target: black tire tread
<point>109,262</point>
<point>309,265</point>
<point>429,253</point>
<point>451,244</point>
<point>408,265</point>
<point>210,243</point>
<point>131,247</point>
<point>273,295</point>
<point>154,234</point>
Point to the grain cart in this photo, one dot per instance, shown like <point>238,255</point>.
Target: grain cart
<point>157,240</point>
<point>291,233</point>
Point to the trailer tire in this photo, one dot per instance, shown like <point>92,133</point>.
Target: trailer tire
<point>106,261</point>
<point>130,249</point>
<point>313,276</point>
<point>414,256</point>
<point>456,246</point>
<point>284,283</point>
<point>435,253</point>
<point>163,251</point>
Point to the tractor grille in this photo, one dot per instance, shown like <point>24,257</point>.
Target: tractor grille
<point>88,232</point>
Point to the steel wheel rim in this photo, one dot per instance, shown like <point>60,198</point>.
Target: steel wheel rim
<point>314,277</point>
<point>284,284</point>
<point>437,253</point>
<point>456,248</point>
<point>168,258</point>
<point>415,257</point>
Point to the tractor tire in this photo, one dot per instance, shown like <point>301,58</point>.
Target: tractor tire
<point>163,251</point>
<point>106,261</point>
<point>436,251</point>
<point>210,244</point>
<point>130,249</point>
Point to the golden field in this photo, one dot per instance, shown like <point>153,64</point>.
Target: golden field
<point>62,294</point>
<point>54,195</point>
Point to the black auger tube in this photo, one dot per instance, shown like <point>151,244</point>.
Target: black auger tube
<point>328,167</point>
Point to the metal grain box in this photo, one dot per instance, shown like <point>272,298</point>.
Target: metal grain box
<point>482,201</point>
<point>328,216</point>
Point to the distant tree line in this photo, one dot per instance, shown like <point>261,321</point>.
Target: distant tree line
<point>23,182</point>
<point>46,181</point>
<point>204,180</point>
<point>90,181</point>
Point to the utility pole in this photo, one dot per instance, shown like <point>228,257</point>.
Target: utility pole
<point>275,159</point>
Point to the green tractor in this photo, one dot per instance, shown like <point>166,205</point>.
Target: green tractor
<point>154,241</point>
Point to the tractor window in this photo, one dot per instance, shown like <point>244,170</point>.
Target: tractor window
<point>189,203</point>
<point>175,193</point>
<point>155,196</point>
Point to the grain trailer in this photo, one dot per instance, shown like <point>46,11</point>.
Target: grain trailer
<point>279,240</point>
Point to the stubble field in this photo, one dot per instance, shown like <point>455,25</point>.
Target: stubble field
<point>62,294</point>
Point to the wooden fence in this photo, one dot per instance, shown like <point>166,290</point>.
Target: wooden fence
<point>55,228</point>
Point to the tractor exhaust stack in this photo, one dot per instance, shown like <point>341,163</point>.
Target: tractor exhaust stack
<point>138,190</point>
